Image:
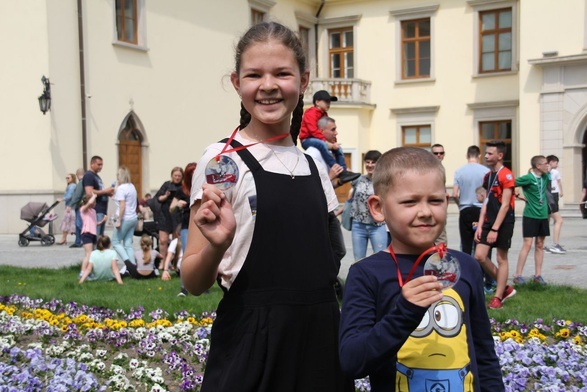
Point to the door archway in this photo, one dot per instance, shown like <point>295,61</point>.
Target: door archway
<point>130,141</point>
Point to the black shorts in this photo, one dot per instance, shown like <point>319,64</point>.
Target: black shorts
<point>553,208</point>
<point>504,235</point>
<point>89,238</point>
<point>535,227</point>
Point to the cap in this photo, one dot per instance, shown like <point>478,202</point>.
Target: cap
<point>323,95</point>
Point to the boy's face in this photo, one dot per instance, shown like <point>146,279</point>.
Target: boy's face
<point>480,197</point>
<point>492,156</point>
<point>553,164</point>
<point>324,105</point>
<point>414,210</point>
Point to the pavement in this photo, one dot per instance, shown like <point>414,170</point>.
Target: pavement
<point>567,269</point>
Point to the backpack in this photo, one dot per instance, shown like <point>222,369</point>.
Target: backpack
<point>78,195</point>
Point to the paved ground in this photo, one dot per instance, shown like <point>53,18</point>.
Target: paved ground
<point>570,268</point>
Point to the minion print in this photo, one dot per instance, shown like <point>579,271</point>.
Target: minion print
<point>435,358</point>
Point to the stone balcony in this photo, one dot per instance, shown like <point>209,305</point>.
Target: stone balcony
<point>354,92</point>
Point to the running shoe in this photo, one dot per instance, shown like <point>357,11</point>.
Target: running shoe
<point>547,249</point>
<point>556,248</point>
<point>495,303</point>
<point>538,279</point>
<point>182,293</point>
<point>508,293</point>
<point>519,280</point>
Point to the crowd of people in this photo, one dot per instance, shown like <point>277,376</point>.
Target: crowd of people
<point>259,217</point>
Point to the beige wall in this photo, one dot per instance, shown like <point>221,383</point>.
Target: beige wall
<point>178,85</point>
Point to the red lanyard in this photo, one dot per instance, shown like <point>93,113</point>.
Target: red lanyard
<point>440,248</point>
<point>226,150</point>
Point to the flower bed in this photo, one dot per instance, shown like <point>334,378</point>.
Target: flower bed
<point>55,346</point>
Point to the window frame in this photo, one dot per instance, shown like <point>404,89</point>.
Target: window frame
<point>480,6</point>
<point>495,33</point>
<point>402,15</point>
<point>427,146</point>
<point>341,51</point>
<point>259,8</point>
<point>417,40</point>
<point>325,26</point>
<point>140,42</point>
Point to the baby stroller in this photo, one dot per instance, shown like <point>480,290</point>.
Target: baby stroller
<point>38,214</point>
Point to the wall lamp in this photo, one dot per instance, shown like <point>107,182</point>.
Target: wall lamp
<point>45,98</point>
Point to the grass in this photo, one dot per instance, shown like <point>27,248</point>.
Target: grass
<point>63,284</point>
<point>532,302</point>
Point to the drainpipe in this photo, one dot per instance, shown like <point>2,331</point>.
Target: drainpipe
<point>82,84</point>
<point>316,33</point>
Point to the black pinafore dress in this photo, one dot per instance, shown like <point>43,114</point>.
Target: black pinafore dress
<point>277,327</point>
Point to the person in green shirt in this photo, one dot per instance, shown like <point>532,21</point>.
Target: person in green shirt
<point>535,217</point>
<point>103,263</point>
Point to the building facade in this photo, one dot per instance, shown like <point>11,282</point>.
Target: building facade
<point>145,83</point>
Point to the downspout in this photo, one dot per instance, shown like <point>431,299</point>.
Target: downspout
<point>316,33</point>
<point>82,83</point>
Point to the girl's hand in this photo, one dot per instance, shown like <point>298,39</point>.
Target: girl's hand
<point>68,209</point>
<point>215,217</point>
<point>423,291</point>
<point>118,223</point>
<point>165,276</point>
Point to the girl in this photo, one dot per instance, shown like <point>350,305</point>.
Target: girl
<point>168,220</point>
<point>266,238</point>
<point>125,197</point>
<point>146,260</point>
<point>89,226</point>
<point>102,265</point>
<point>68,222</point>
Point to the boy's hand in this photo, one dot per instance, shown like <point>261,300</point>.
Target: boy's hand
<point>423,291</point>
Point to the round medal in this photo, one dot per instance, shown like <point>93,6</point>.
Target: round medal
<point>446,269</point>
<point>223,173</point>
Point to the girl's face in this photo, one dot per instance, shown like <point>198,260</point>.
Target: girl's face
<point>370,167</point>
<point>68,179</point>
<point>270,84</point>
<point>176,177</point>
<point>415,211</point>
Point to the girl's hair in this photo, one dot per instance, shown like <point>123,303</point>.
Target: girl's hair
<point>103,242</point>
<point>176,168</point>
<point>73,178</point>
<point>264,32</point>
<point>188,173</point>
<point>395,163</point>
<point>176,234</point>
<point>146,244</point>
<point>123,175</point>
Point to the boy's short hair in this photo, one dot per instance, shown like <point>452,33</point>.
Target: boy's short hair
<point>536,159</point>
<point>551,158</point>
<point>372,155</point>
<point>480,189</point>
<point>395,163</point>
<point>498,144</point>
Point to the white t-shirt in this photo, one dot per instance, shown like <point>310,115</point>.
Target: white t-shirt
<point>172,248</point>
<point>245,190</point>
<point>128,193</point>
<point>555,176</point>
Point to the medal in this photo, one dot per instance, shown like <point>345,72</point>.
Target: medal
<point>222,172</point>
<point>447,269</point>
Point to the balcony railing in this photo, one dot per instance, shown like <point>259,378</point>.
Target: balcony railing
<point>348,91</point>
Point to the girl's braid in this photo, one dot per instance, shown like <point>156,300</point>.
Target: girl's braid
<point>296,120</point>
<point>245,117</point>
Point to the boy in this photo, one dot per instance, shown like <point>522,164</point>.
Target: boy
<point>497,221</point>
<point>535,219</point>
<point>402,330</point>
<point>311,135</point>
<point>556,183</point>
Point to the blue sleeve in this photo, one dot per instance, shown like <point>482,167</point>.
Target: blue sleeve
<point>488,367</point>
<point>367,342</point>
<point>69,194</point>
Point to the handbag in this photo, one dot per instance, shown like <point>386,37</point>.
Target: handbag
<point>347,220</point>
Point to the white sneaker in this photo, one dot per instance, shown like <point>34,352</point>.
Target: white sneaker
<point>556,248</point>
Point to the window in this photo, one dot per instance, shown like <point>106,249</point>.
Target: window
<point>304,33</point>
<point>496,130</point>
<point>257,17</point>
<point>417,136</point>
<point>495,40</point>
<point>416,53</point>
<point>340,50</point>
<point>127,21</point>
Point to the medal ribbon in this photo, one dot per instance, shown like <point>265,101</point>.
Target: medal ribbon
<point>226,150</point>
<point>440,248</point>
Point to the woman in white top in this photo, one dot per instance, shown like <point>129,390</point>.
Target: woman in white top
<point>146,265</point>
<point>125,197</point>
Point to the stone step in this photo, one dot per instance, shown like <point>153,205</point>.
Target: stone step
<point>571,210</point>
